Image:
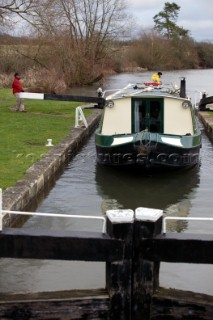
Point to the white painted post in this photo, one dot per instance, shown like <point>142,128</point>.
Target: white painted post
<point>1,217</point>
<point>148,214</point>
<point>49,143</point>
<point>79,116</point>
<point>120,215</point>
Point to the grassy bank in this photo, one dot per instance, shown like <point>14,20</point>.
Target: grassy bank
<point>23,135</point>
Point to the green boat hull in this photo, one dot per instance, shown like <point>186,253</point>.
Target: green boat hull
<point>148,150</point>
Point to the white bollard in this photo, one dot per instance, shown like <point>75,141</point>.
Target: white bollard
<point>120,215</point>
<point>49,143</point>
<point>148,214</point>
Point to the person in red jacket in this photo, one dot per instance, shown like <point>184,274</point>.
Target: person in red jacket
<point>17,88</point>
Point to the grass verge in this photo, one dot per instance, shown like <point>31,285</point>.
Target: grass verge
<point>23,135</point>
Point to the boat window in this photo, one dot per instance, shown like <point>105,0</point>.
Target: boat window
<point>139,116</point>
<point>155,123</point>
<point>148,115</point>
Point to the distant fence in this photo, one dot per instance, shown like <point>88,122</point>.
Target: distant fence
<point>132,247</point>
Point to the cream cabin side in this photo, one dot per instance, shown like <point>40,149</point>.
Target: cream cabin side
<point>129,115</point>
<point>177,119</point>
<point>117,120</point>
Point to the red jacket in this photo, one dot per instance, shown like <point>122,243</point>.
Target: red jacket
<point>17,86</point>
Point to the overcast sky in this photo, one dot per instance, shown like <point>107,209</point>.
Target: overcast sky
<point>194,15</point>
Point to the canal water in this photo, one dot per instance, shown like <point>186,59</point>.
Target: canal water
<point>89,189</point>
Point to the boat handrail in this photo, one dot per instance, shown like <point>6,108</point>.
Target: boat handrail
<point>110,90</point>
<point>170,88</point>
<point>116,90</point>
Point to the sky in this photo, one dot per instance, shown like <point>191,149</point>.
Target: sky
<point>194,15</point>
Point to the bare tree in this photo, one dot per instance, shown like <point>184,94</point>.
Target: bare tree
<point>11,9</point>
<point>81,32</point>
<point>74,37</point>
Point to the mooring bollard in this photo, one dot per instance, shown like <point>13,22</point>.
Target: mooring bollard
<point>119,273</point>
<point>49,143</point>
<point>148,223</point>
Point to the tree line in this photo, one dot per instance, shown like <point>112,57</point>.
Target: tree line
<point>76,42</point>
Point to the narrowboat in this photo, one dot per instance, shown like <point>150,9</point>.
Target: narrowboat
<point>149,125</point>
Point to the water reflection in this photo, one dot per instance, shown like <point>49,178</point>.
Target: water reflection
<point>169,191</point>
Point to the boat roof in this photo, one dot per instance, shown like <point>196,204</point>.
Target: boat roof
<point>147,89</point>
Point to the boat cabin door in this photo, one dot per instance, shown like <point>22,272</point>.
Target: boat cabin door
<point>147,115</point>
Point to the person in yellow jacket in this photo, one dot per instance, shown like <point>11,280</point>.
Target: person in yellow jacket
<point>156,77</point>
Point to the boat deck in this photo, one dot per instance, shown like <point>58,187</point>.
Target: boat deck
<point>138,90</point>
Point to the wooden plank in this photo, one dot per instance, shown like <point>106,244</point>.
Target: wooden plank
<point>145,273</point>
<point>49,295</point>
<point>119,273</point>
<point>64,305</point>
<point>171,304</point>
<point>60,245</point>
<point>186,248</point>
<point>206,100</point>
<point>61,97</point>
